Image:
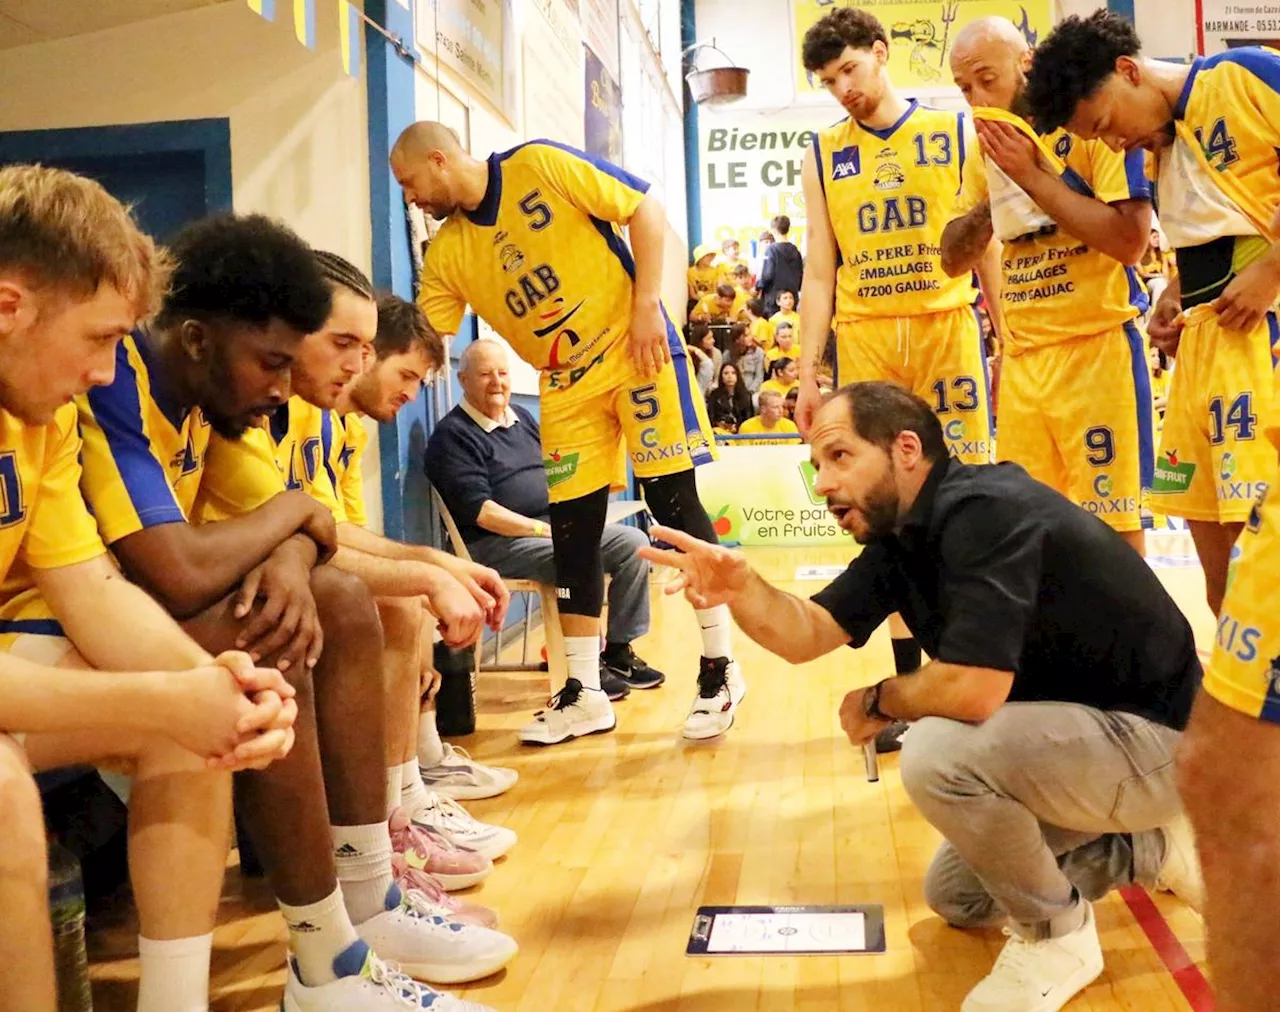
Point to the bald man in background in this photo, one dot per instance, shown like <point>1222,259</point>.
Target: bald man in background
<point>1075,391</point>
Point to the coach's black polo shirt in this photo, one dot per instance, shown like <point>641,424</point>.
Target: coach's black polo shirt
<point>992,569</point>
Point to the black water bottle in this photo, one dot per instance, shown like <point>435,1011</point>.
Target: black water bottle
<point>456,701</point>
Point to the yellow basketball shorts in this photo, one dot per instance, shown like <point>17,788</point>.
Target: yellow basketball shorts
<point>1214,457</point>
<point>1078,417</point>
<point>937,356</point>
<point>1244,672</point>
<point>662,421</point>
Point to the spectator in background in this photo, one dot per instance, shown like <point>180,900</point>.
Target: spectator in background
<point>787,314</point>
<point>729,262</point>
<point>784,345</point>
<point>757,262</point>
<point>783,269</point>
<point>748,359</point>
<point>759,325</point>
<point>730,398</point>
<point>703,276</point>
<point>743,283</point>
<point>721,306</point>
<point>706,356</point>
<point>770,421</point>
<point>789,404</point>
<point>1157,267</point>
<point>784,378</point>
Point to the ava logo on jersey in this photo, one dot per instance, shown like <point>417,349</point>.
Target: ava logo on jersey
<point>846,163</point>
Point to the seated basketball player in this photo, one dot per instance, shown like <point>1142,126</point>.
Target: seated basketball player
<point>405,353</point>
<point>298,447</point>
<point>218,357</point>
<point>75,277</point>
<point>1063,675</point>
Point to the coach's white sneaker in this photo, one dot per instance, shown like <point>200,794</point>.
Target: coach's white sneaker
<point>1180,873</point>
<point>372,986</point>
<point>1031,976</point>
<point>720,689</point>
<point>428,946</point>
<point>575,710</point>
<point>460,777</point>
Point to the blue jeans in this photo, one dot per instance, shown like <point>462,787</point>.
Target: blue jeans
<point>531,559</point>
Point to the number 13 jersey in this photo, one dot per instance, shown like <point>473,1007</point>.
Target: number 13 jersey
<point>889,195</point>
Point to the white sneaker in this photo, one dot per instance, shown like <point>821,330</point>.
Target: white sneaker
<point>460,777</point>
<point>720,689</point>
<point>574,711</point>
<point>378,987</point>
<point>1040,976</point>
<point>1180,873</point>
<point>452,820</point>
<point>431,947</point>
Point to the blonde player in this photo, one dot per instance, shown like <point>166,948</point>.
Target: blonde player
<point>531,241</point>
<point>1075,392</point>
<point>1216,126</point>
<point>75,276</point>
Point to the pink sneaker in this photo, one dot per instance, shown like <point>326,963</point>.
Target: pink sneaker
<point>451,907</point>
<point>428,850</point>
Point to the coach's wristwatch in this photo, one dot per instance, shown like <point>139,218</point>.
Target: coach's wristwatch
<point>871,702</point>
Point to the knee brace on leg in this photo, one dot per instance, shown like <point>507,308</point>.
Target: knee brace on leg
<point>673,499</point>
<point>576,527</point>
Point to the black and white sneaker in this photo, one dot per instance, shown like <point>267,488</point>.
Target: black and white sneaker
<point>613,686</point>
<point>575,711</point>
<point>720,690</point>
<point>631,669</point>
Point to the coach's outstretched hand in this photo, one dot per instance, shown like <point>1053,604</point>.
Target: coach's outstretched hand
<point>649,348</point>
<point>709,575</point>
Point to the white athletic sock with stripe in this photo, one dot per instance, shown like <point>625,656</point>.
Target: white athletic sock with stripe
<point>414,796</point>
<point>362,855</point>
<point>318,932</point>
<point>716,625</point>
<point>583,655</point>
<point>430,747</point>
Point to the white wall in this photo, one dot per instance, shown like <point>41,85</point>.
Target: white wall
<point>1167,27</point>
<point>299,139</point>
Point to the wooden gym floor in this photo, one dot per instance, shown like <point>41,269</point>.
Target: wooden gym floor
<point>623,836</point>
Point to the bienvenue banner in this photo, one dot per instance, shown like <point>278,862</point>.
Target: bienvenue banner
<point>763,495</point>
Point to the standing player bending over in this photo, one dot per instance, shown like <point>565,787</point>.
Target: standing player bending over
<point>219,356</point>
<point>1075,392</point>
<point>1216,124</point>
<point>75,277</point>
<point>532,243</point>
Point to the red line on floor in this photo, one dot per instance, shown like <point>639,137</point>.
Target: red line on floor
<point>1181,966</point>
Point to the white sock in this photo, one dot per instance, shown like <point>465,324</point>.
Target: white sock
<point>318,932</point>
<point>414,796</point>
<point>174,974</point>
<point>362,855</point>
<point>715,622</point>
<point>393,789</point>
<point>430,748</point>
<point>583,654</point>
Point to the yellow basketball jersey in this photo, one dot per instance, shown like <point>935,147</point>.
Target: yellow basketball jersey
<point>44,523</point>
<point>294,451</point>
<point>1055,287</point>
<point>143,454</point>
<point>541,259</point>
<point>889,195</point>
<point>349,470</point>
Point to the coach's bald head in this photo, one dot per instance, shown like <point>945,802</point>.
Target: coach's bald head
<point>989,61</point>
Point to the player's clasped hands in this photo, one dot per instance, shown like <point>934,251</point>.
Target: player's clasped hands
<point>648,339</point>
<point>233,714</point>
<point>709,574</point>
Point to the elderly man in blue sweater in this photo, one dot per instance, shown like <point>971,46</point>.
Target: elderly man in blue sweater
<point>485,459</point>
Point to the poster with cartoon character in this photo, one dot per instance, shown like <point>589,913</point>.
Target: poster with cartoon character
<point>921,32</point>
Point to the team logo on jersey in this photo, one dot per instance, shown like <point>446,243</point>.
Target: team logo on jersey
<point>511,257</point>
<point>889,176</point>
<point>846,163</point>
<point>1228,469</point>
<point>1103,485</point>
